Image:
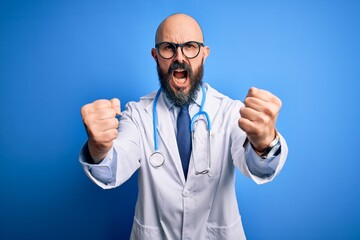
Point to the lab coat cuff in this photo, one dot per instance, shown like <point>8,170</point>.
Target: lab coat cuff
<point>276,163</point>
<point>106,162</point>
<point>262,168</point>
<point>86,159</point>
<point>103,171</point>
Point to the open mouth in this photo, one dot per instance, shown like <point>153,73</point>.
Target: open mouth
<point>180,76</point>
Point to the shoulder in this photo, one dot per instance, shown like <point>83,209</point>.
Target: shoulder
<point>143,104</point>
<point>144,101</point>
<point>216,97</point>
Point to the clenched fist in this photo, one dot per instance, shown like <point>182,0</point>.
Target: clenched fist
<point>101,125</point>
<point>258,117</point>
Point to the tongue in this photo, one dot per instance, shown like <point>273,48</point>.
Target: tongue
<point>180,74</point>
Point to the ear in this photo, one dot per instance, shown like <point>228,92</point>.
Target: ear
<point>206,52</point>
<point>154,54</point>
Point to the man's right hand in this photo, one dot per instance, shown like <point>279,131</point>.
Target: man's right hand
<point>101,125</point>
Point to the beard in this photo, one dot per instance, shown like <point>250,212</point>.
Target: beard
<point>180,98</point>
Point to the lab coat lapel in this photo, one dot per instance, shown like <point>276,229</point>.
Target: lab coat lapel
<point>167,135</point>
<point>211,106</point>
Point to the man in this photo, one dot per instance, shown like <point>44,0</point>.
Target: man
<point>186,183</point>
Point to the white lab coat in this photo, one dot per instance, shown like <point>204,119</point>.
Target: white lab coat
<point>168,207</point>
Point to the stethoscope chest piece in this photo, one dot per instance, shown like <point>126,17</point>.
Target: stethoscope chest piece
<point>156,159</point>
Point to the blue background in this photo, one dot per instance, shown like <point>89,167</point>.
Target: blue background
<point>56,56</point>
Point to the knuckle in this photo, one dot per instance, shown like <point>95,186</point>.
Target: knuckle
<point>242,124</point>
<point>252,91</point>
<point>110,122</point>
<point>115,122</point>
<point>114,134</point>
<point>271,110</point>
<point>103,137</point>
<point>112,111</point>
<point>267,121</point>
<point>96,137</point>
<point>275,111</point>
<point>262,120</point>
<point>88,120</point>
<point>242,110</point>
<point>115,102</point>
<point>102,103</point>
<point>104,113</point>
<point>84,110</point>
<point>247,101</point>
<point>245,113</point>
<point>267,116</point>
<point>276,100</point>
<point>268,111</point>
<point>109,135</point>
<point>107,113</point>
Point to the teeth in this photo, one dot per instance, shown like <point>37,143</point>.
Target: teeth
<point>180,80</point>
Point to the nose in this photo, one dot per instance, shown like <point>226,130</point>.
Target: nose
<point>179,56</point>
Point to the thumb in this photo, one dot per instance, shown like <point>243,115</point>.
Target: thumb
<point>115,104</point>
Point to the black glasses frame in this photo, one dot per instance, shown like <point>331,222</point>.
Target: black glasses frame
<point>181,45</point>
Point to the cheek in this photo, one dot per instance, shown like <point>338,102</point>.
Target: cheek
<point>164,65</point>
<point>195,65</point>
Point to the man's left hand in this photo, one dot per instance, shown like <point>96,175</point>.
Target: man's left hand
<point>258,117</point>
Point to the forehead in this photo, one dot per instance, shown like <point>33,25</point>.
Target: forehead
<point>179,29</point>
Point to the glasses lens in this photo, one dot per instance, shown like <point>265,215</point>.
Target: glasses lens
<point>191,49</point>
<point>167,50</point>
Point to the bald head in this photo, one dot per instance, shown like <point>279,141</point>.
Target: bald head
<point>179,28</point>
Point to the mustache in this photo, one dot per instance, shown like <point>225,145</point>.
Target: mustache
<point>177,65</point>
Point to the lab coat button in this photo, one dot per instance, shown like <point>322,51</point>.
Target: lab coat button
<point>185,193</point>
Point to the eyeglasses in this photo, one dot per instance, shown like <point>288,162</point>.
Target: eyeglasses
<point>190,49</point>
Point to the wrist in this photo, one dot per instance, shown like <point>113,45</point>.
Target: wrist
<point>97,154</point>
<point>273,149</point>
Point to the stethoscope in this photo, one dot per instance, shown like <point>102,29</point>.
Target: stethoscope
<point>157,159</point>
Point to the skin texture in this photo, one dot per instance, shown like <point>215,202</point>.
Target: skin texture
<point>180,28</point>
<point>258,116</point>
<point>99,118</point>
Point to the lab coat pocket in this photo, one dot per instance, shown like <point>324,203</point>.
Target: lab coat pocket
<point>230,232</point>
<point>142,232</point>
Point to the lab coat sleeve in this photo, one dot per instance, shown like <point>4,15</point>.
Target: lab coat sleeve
<point>264,168</point>
<point>248,162</point>
<point>258,166</point>
<point>103,171</point>
<point>123,158</point>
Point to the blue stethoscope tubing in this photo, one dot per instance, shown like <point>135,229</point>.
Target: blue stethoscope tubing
<point>157,155</point>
